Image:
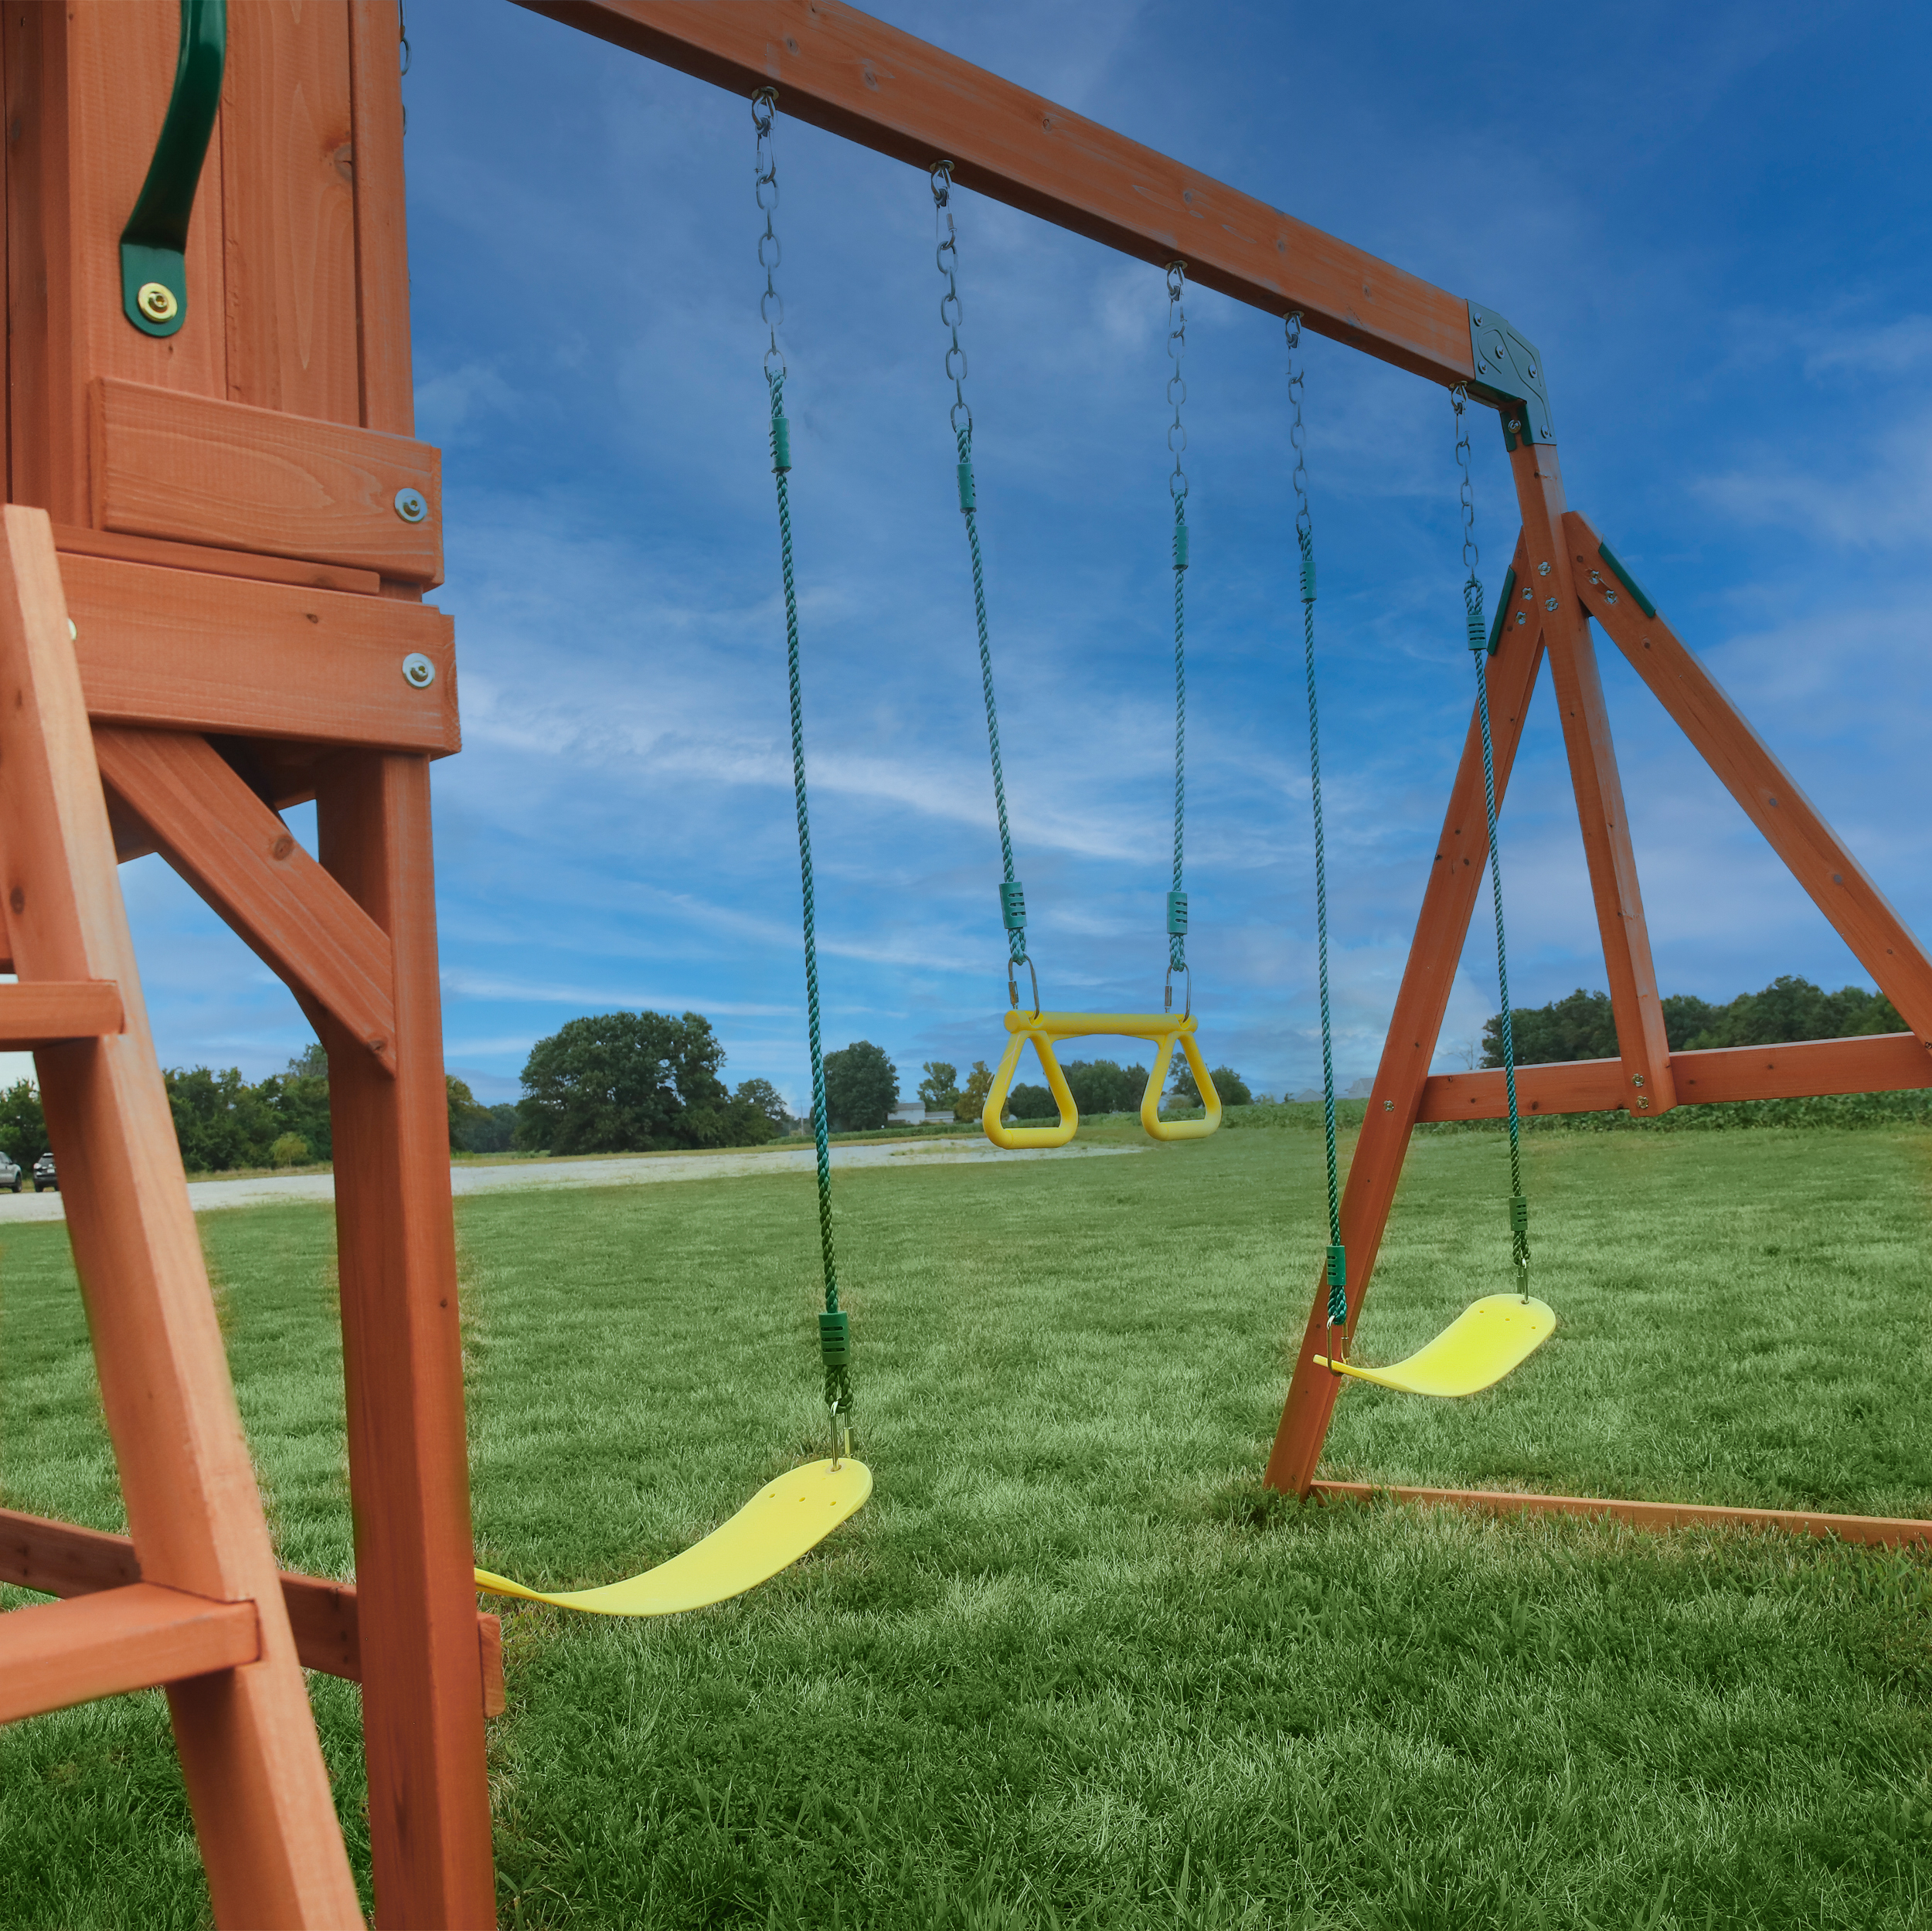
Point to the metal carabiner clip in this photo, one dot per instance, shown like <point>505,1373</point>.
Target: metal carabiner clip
<point>1013,984</point>
<point>841,1434</point>
<point>1167,995</point>
<point>1338,1356</point>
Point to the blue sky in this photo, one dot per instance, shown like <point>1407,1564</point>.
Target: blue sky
<point>1713,221</point>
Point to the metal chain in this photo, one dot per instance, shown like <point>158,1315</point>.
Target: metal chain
<point>1177,489</point>
<point>771,312</point>
<point>1337,1269</point>
<point>1472,600</point>
<point>950,312</point>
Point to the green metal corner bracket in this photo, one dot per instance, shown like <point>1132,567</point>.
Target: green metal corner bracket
<point>1509,375</point>
<point>154,245</point>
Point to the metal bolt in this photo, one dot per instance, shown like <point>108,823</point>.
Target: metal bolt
<point>1549,603</point>
<point>156,301</point>
<point>1543,569</point>
<point>418,672</point>
<point>73,632</point>
<point>1523,617</point>
<point>1610,596</point>
<point>412,505</point>
<point>1389,1105</point>
<point>1636,1079</point>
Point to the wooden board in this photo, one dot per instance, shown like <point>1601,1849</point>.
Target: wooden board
<point>78,540</point>
<point>182,651</point>
<point>48,1012</point>
<point>840,69</point>
<point>199,471</point>
<point>53,1655</point>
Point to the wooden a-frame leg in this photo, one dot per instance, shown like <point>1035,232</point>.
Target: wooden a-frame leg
<point>1455,879</point>
<point>422,1700</point>
<point>1641,1044</point>
<point>255,1780</point>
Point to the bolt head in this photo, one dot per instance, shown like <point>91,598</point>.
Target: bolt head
<point>156,301</point>
<point>418,672</point>
<point>1543,569</point>
<point>1549,603</point>
<point>412,505</point>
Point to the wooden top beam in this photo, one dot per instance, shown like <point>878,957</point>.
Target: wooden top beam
<point>844,71</point>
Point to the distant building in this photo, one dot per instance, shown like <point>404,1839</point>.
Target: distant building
<point>916,1113</point>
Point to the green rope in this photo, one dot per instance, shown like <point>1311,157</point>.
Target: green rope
<point>1177,489</point>
<point>1336,1272</point>
<point>835,1339</point>
<point>1480,634</point>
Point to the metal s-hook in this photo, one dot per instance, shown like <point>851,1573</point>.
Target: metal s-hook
<point>154,245</point>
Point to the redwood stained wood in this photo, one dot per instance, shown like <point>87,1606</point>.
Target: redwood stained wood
<point>1796,829</point>
<point>288,196</point>
<point>1456,876</point>
<point>48,1012</point>
<point>53,1655</point>
<point>252,1766</point>
<point>382,242</point>
<point>839,69</point>
<point>184,651</point>
<point>1810,1069</point>
<point>196,470</point>
<point>74,539</point>
<point>1882,1531</point>
<point>1641,1042</point>
<point>239,857</point>
<point>423,1735</point>
<point>59,1559</point>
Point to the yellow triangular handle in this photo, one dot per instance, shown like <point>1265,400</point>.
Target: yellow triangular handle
<point>1483,1343</point>
<point>784,1519</point>
<point>1047,1029</point>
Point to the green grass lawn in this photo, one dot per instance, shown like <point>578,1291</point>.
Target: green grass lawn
<point>1072,1666</point>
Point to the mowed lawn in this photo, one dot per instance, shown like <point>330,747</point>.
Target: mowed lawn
<point>1073,1666</point>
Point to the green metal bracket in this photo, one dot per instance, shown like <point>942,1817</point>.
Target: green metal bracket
<point>1509,374</point>
<point>1629,583</point>
<point>1502,610</point>
<point>154,245</point>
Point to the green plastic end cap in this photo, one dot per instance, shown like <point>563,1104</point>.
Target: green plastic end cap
<point>1012,905</point>
<point>1180,546</point>
<point>1338,1273</point>
<point>835,1339</point>
<point>154,288</point>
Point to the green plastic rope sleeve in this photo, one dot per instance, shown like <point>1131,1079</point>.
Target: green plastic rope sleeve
<point>968,499</point>
<point>1180,546</point>
<point>1307,565</point>
<point>1012,906</point>
<point>1502,610</point>
<point>1628,582</point>
<point>154,245</point>
<point>1177,915</point>
<point>835,1339</point>
<point>781,445</point>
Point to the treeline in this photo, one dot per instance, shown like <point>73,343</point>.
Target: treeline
<point>1582,1027</point>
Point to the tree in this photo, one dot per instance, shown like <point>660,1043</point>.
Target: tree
<point>298,1098</point>
<point>465,1113</point>
<point>625,1083</point>
<point>288,1150</point>
<point>861,1088</point>
<point>765,1099</point>
<point>972,1102</point>
<point>1229,1084</point>
<point>1105,1085</point>
<point>23,1127</point>
<point>493,1130</point>
<point>220,1120</point>
<point>940,1089</point>
<point>1025,1101</point>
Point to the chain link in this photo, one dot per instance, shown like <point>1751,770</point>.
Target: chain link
<point>946,253</point>
<point>771,305</point>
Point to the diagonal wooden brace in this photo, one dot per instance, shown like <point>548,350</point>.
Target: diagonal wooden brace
<point>1839,885</point>
<point>240,857</point>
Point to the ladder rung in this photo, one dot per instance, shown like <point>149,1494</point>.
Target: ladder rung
<point>46,1012</point>
<point>54,1654</point>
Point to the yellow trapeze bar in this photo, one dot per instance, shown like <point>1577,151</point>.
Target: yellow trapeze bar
<point>1044,1028</point>
<point>1483,1343</point>
<point>771,1531</point>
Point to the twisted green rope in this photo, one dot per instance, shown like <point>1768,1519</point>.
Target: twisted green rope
<point>1338,1287</point>
<point>1016,937</point>
<point>1177,941</point>
<point>838,1380</point>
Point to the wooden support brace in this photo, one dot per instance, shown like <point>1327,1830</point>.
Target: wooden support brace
<point>1796,830</point>
<point>240,857</point>
<point>50,1012</point>
<point>54,1655</point>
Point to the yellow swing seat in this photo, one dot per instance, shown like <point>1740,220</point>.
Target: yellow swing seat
<point>784,1519</point>
<point>1047,1029</point>
<point>1484,1343</point>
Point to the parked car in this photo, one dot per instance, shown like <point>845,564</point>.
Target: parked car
<point>44,1180</point>
<point>10,1172</point>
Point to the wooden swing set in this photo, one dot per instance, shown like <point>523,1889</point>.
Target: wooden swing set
<point>219,534</point>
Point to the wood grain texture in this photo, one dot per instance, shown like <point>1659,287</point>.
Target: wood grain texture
<point>1809,1068</point>
<point>253,1768</point>
<point>1456,876</point>
<point>246,864</point>
<point>53,1655</point>
<point>1882,1532</point>
<point>289,216</point>
<point>839,69</point>
<point>199,470</point>
<point>181,650</point>
<point>59,1558</point>
<point>402,1358</point>
<point>73,539</point>
<point>382,239</point>
<point>49,1012</point>
<point>1642,1043</point>
<point>1794,827</point>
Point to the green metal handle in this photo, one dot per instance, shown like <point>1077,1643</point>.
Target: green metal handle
<point>154,245</point>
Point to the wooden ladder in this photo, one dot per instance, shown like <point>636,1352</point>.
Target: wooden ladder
<point>206,1622</point>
